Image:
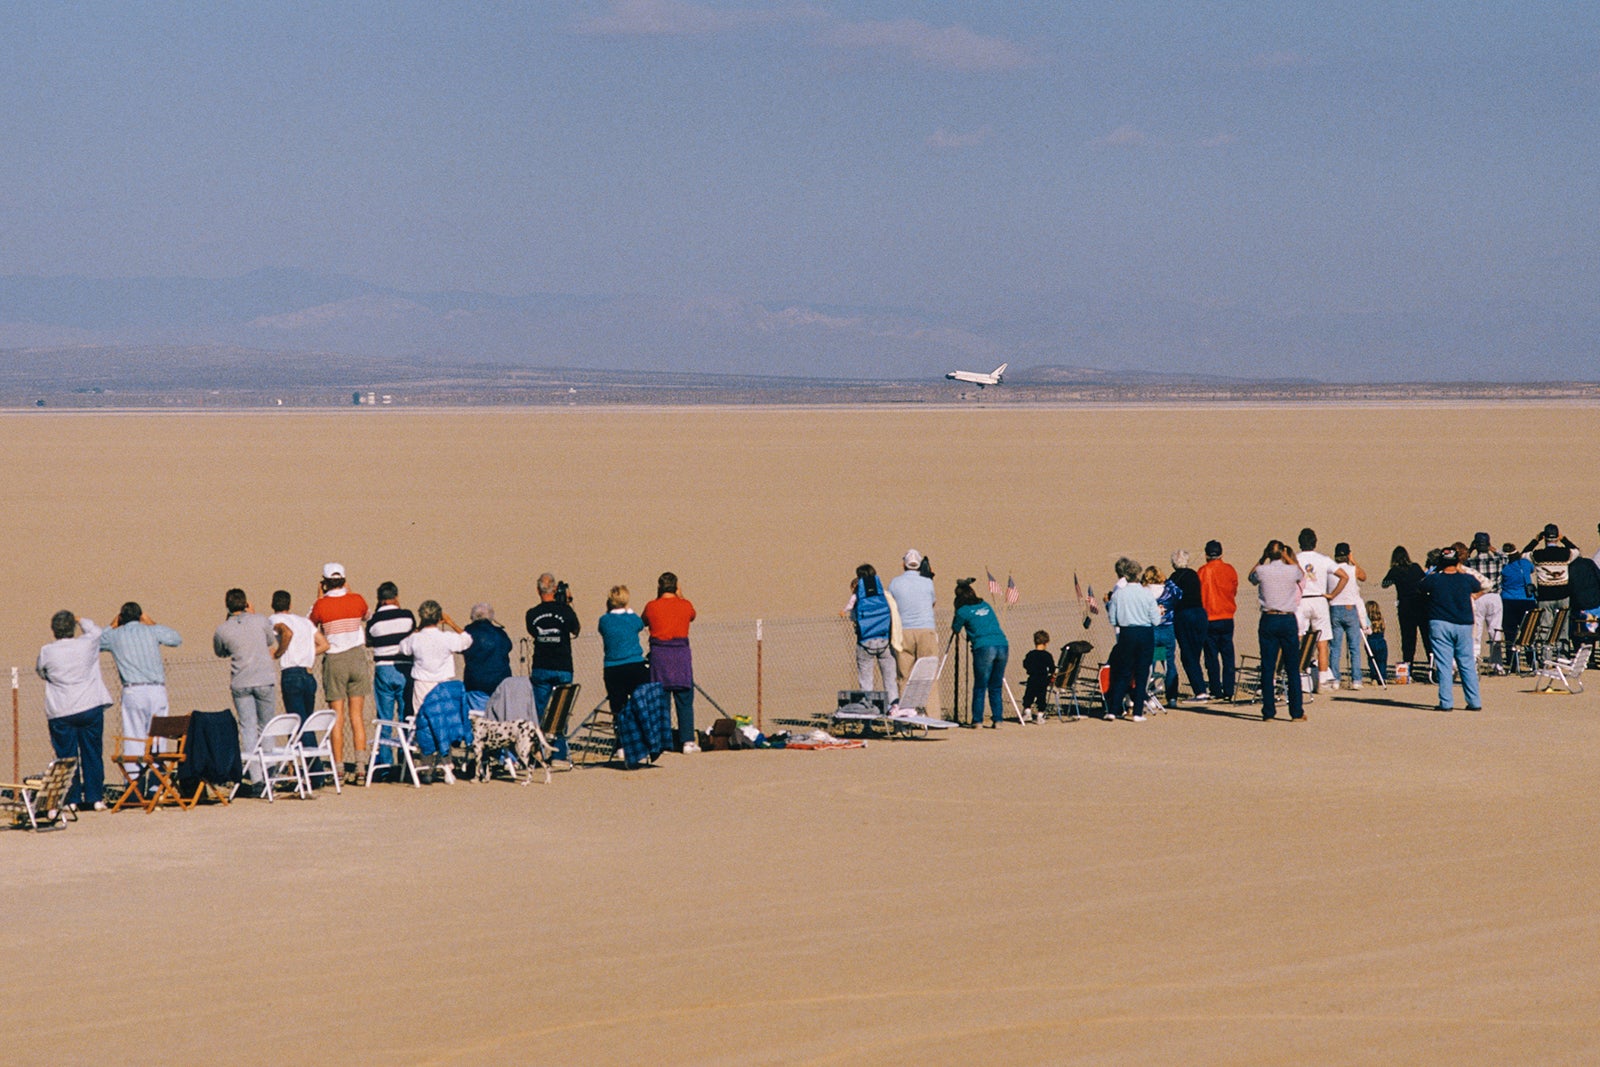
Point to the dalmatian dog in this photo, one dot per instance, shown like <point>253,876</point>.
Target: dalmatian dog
<point>518,737</point>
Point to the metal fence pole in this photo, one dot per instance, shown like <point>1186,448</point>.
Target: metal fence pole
<point>16,729</point>
<point>760,727</point>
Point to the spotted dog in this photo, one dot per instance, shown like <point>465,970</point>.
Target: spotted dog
<point>519,737</point>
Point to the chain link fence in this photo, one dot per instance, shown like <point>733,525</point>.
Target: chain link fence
<point>788,678</point>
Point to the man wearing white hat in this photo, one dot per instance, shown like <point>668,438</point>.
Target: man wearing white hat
<point>346,666</point>
<point>919,632</point>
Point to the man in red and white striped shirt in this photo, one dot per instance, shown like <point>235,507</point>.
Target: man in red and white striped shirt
<point>346,666</point>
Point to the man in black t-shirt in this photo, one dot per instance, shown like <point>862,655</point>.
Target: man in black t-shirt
<point>552,624</point>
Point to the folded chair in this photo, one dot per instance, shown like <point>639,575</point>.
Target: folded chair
<point>40,803</point>
<point>165,749</point>
<point>277,757</point>
<point>1563,672</point>
<point>907,717</point>
<point>595,734</point>
<point>316,742</point>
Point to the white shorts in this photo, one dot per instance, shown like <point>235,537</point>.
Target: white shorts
<point>1313,611</point>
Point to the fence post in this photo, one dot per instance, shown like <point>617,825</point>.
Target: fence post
<point>16,730</point>
<point>760,728</point>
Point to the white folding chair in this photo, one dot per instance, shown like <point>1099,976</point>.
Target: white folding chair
<point>1567,673</point>
<point>316,741</point>
<point>397,735</point>
<point>277,757</point>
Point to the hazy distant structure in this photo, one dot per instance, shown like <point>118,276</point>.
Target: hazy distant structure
<point>355,397</point>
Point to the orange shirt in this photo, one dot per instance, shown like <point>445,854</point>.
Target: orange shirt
<point>668,617</point>
<point>1219,586</point>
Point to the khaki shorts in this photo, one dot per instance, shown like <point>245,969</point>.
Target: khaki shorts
<point>346,674</point>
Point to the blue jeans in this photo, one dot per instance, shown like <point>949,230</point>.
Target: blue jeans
<point>1219,657</point>
<point>299,688</point>
<point>1378,661</point>
<point>988,676</point>
<point>1346,634</point>
<point>1452,647</point>
<point>543,682</point>
<point>683,709</point>
<point>389,684</point>
<point>1166,638</point>
<point>1280,638</point>
<point>81,734</point>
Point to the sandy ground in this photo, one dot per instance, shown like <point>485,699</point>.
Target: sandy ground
<point>1382,884</point>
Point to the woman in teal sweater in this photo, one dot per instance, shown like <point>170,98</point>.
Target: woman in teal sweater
<point>990,650</point>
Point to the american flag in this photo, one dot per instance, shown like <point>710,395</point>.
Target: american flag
<point>1012,595</point>
<point>1077,587</point>
<point>994,586</point>
<point>1094,606</point>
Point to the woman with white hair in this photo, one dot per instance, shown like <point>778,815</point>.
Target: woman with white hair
<point>443,720</point>
<point>1189,623</point>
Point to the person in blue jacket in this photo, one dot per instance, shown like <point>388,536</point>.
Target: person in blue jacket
<point>990,650</point>
<point>872,610</point>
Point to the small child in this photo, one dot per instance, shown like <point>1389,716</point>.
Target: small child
<point>1039,666</point>
<point>1378,654</point>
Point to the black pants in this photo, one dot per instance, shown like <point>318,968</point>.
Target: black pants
<point>1220,658</point>
<point>621,681</point>
<point>1413,621</point>
<point>1130,670</point>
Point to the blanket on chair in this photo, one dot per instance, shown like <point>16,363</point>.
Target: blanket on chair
<point>644,724</point>
<point>442,719</point>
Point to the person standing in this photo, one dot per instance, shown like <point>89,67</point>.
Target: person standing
<point>346,666</point>
<point>1313,612</point>
<point>1551,555</point>
<point>249,643</point>
<point>624,668</point>
<point>1488,611</point>
<point>671,662</point>
<point>389,625</point>
<point>432,648</point>
<point>1516,591</point>
<point>1134,615</point>
<point>1411,607</point>
<point>1166,640</point>
<point>872,611</point>
<point>990,650</point>
<point>1344,613</point>
<point>1279,579</point>
<point>552,624</point>
<point>487,661</point>
<point>1190,622</point>
<point>1219,591</point>
<point>913,591</point>
<point>135,641</point>
<point>75,702</point>
<point>299,642</point>
<point>1450,593</point>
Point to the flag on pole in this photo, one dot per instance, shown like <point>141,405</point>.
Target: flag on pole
<point>994,586</point>
<point>1012,595</point>
<point>1094,605</point>
<point>1077,587</point>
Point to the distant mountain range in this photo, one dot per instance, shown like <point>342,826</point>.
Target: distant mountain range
<point>293,311</point>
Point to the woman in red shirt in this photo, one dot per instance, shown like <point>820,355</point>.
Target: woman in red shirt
<point>671,663</point>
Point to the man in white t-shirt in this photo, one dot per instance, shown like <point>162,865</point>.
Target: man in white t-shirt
<point>299,641</point>
<point>1313,612</point>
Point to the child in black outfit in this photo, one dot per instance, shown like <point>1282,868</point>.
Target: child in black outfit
<point>1039,666</point>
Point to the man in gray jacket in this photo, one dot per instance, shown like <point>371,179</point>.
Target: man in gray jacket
<point>75,702</point>
<point>252,644</point>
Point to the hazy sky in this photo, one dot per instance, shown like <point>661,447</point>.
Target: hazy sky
<point>1278,155</point>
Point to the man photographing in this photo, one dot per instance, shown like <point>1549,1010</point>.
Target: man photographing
<point>552,624</point>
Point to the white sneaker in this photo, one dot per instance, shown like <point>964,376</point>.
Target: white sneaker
<point>1355,685</point>
<point>1201,698</point>
<point>449,776</point>
<point>1330,685</point>
<point>1138,718</point>
<point>690,747</point>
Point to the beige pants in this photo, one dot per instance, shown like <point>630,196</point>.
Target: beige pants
<point>914,644</point>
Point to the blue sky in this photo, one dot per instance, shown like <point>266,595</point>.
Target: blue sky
<point>1304,157</point>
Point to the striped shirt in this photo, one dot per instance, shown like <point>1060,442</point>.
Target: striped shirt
<point>136,648</point>
<point>389,626</point>
<point>340,613</point>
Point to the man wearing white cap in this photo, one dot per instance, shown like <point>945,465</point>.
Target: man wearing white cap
<point>919,632</point>
<point>346,666</point>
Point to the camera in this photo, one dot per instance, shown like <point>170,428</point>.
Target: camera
<point>562,593</point>
<point>964,581</point>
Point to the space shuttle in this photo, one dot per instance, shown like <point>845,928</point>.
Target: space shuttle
<point>972,377</point>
